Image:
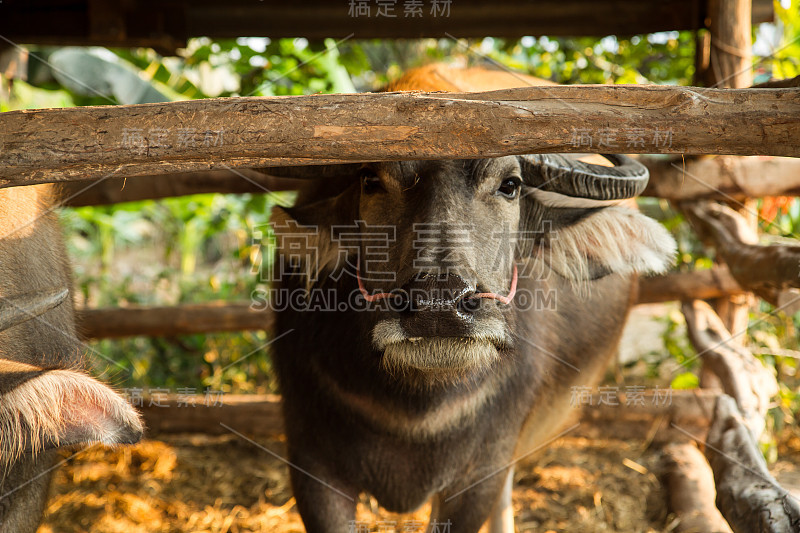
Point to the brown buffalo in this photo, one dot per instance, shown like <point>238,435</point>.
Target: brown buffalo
<point>469,297</point>
<point>46,400</point>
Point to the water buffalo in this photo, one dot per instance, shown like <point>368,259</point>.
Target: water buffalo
<point>46,401</point>
<point>427,376</point>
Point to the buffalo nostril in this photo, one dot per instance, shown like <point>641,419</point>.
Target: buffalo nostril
<point>427,293</point>
<point>469,305</point>
<point>400,302</point>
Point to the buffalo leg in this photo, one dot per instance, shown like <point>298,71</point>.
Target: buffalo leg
<point>23,492</point>
<point>467,511</point>
<point>325,505</point>
<point>502,518</point>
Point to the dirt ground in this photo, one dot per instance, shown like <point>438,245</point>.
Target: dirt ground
<point>226,484</point>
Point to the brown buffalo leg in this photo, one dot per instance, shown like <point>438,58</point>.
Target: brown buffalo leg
<point>467,511</point>
<point>23,492</point>
<point>502,518</point>
<point>325,505</point>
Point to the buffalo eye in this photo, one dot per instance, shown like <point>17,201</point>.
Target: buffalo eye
<point>370,181</point>
<point>510,187</point>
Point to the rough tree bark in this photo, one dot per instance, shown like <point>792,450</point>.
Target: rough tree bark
<point>763,269</point>
<point>721,177</point>
<point>698,284</point>
<point>741,375</point>
<point>749,497</point>
<point>184,319</point>
<point>50,145</point>
<point>690,483</point>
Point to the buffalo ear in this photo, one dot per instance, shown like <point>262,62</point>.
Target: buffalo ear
<point>590,243</point>
<point>43,409</point>
<point>304,235</point>
<point>573,209</point>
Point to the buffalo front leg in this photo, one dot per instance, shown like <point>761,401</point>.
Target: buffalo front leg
<point>466,509</point>
<point>325,505</point>
<point>23,492</point>
<point>502,518</point>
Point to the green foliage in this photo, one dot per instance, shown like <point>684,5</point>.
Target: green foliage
<point>784,59</point>
<point>247,66</point>
<point>666,58</point>
<point>88,73</point>
<point>686,380</point>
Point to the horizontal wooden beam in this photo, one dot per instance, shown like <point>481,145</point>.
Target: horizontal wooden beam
<point>205,414</point>
<point>652,416</point>
<point>169,24</point>
<point>659,416</point>
<point>695,285</point>
<point>186,319</point>
<point>214,317</point>
<point>118,190</point>
<point>53,145</point>
<point>672,178</point>
<point>721,177</point>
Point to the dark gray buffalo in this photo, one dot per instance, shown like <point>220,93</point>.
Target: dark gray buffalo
<point>46,401</point>
<point>469,297</point>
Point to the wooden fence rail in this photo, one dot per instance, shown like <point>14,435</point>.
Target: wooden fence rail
<point>52,145</point>
<point>673,178</point>
<point>651,416</point>
<point>215,317</point>
<point>169,321</point>
<point>722,177</point>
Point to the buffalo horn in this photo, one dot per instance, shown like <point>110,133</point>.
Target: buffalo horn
<point>567,176</point>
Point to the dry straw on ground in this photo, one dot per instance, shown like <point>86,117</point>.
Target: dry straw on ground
<point>225,484</point>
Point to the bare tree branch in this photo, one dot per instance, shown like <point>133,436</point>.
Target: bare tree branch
<point>749,497</point>
<point>763,269</point>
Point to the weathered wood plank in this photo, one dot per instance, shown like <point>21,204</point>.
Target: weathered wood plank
<point>51,145</point>
<point>171,23</point>
<point>721,177</point>
<point>214,317</point>
<point>713,177</point>
<point>689,410</point>
<point>751,500</point>
<point>204,414</point>
<point>186,319</point>
<point>698,284</point>
<point>657,417</point>
<point>120,190</point>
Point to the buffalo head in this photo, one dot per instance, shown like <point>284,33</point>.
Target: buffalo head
<point>442,250</point>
